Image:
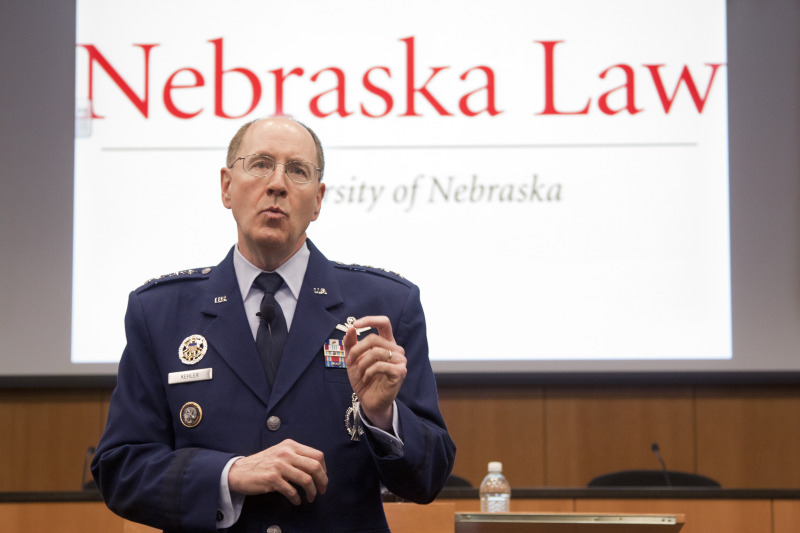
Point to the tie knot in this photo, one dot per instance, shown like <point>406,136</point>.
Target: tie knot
<point>269,282</point>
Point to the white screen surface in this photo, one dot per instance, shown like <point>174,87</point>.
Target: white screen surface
<point>557,185</point>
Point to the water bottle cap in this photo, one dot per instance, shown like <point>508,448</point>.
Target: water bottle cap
<point>496,466</point>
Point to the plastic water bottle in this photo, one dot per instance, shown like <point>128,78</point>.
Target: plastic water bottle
<point>495,491</point>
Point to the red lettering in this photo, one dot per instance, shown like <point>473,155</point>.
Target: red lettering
<point>629,87</point>
<point>685,77</point>
<point>385,95</point>
<point>473,102</point>
<point>549,83</point>
<point>219,72</point>
<point>279,79</point>
<point>489,88</point>
<point>411,90</point>
<point>340,92</point>
<point>169,86</point>
<point>142,104</point>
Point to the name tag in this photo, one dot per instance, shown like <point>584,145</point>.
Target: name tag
<point>200,374</point>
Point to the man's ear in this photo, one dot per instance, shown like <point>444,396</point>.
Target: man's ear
<point>225,186</point>
<point>320,196</point>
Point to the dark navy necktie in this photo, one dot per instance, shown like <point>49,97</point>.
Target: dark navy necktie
<point>272,330</point>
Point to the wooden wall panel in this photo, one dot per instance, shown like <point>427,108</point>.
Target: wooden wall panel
<point>743,436</point>
<point>594,431</point>
<point>786,516</point>
<point>496,424</point>
<point>749,437</point>
<point>45,437</point>
<point>60,517</point>
<point>702,516</point>
<point>436,517</point>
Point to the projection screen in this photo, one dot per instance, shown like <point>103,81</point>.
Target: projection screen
<point>580,188</point>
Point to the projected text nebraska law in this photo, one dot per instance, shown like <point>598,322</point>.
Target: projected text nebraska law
<point>377,89</point>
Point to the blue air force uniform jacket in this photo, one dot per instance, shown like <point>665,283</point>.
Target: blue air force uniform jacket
<point>151,468</point>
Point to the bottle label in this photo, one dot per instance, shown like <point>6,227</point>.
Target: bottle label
<point>495,504</point>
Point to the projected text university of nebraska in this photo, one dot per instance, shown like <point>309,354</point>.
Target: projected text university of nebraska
<point>425,189</point>
<point>470,93</point>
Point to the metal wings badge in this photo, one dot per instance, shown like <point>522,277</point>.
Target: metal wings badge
<point>349,324</point>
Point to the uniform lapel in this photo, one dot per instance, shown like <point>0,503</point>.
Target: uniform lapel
<point>311,325</point>
<point>228,332</point>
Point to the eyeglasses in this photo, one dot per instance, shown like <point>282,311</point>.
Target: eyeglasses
<point>262,166</point>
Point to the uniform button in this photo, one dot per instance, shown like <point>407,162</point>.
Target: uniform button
<point>273,529</point>
<point>274,423</point>
<point>220,516</point>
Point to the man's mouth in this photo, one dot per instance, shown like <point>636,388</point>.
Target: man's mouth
<point>274,211</point>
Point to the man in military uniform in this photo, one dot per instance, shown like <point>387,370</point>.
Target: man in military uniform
<point>234,408</point>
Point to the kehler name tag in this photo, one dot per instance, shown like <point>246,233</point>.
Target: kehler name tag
<point>199,374</point>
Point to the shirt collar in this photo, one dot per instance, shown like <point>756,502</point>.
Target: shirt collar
<point>292,271</point>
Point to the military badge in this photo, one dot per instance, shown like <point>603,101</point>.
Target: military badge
<point>192,349</point>
<point>351,320</point>
<point>191,414</point>
<point>334,354</point>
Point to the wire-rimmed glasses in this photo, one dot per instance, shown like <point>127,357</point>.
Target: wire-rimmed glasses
<point>262,166</point>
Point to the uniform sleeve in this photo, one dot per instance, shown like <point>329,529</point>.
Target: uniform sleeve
<point>418,474</point>
<point>139,473</point>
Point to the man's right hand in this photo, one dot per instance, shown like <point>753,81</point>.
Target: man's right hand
<point>279,469</point>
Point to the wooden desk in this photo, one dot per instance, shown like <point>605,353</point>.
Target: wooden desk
<point>706,510</point>
<point>567,523</point>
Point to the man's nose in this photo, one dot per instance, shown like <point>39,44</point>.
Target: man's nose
<point>276,182</point>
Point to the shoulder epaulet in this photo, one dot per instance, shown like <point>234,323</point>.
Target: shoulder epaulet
<point>181,275</point>
<point>366,268</point>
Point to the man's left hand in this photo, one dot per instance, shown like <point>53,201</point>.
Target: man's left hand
<point>376,366</point>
